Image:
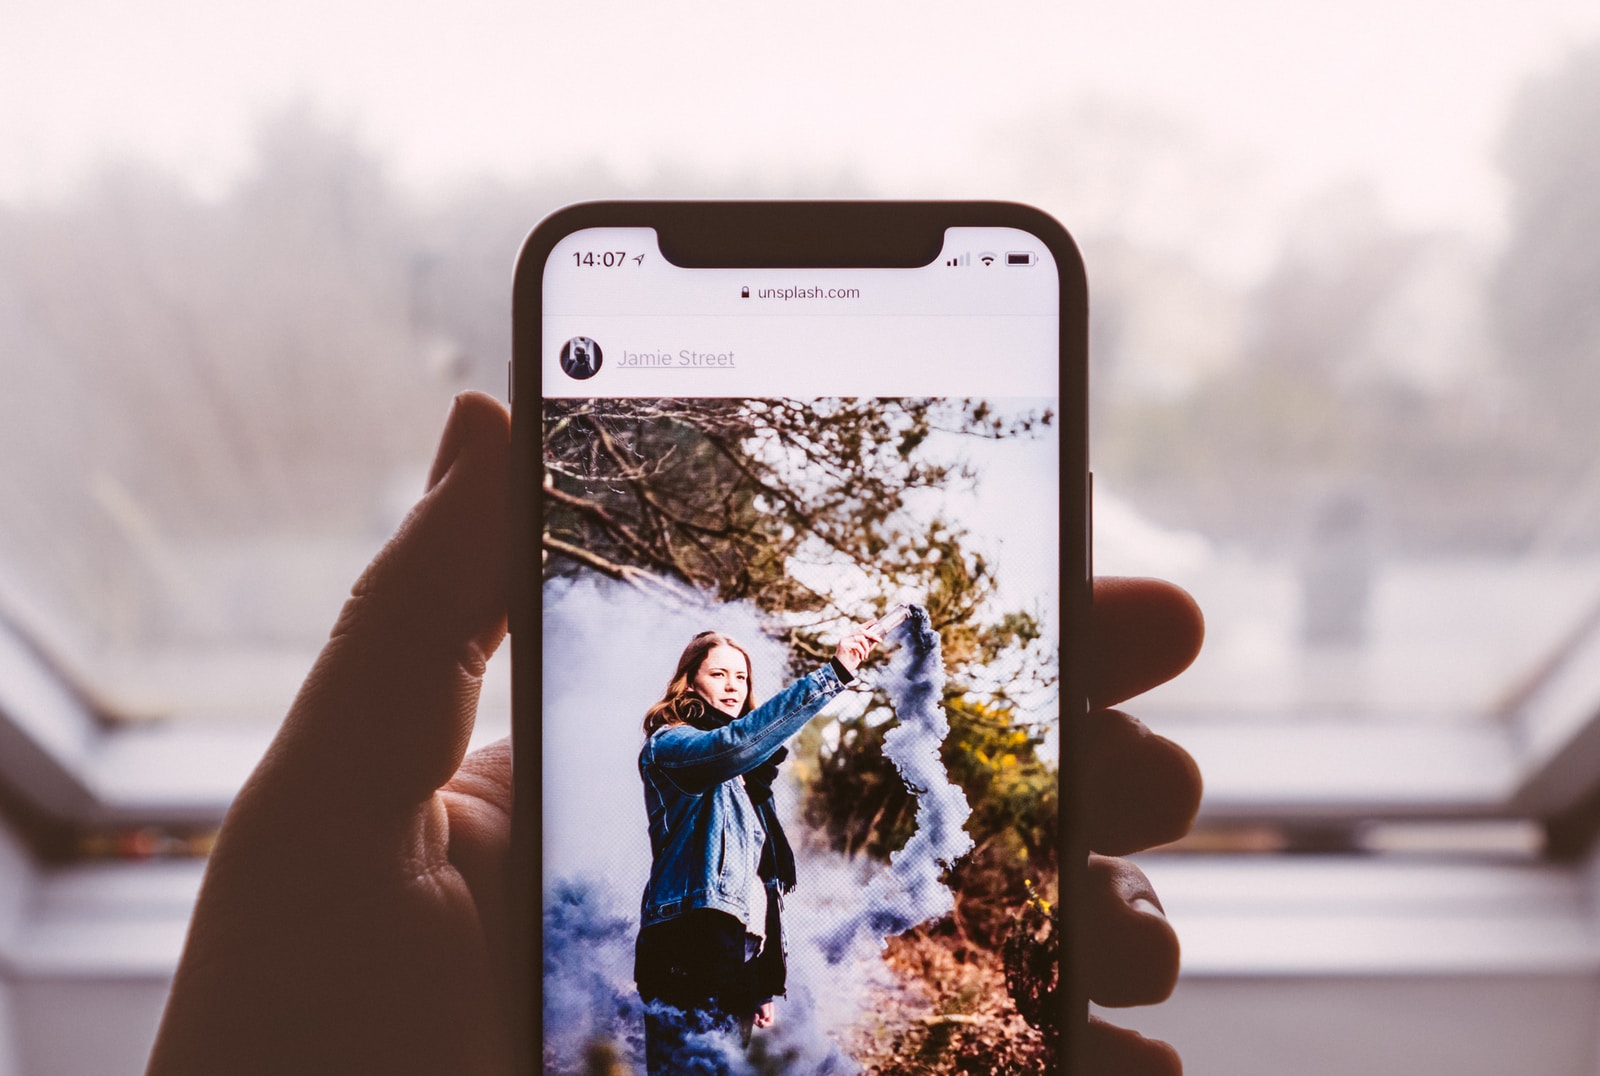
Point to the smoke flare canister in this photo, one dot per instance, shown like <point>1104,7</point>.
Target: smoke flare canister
<point>891,620</point>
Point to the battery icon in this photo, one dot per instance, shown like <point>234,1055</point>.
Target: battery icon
<point>1020,257</point>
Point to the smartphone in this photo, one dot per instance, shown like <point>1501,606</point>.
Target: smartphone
<point>798,625</point>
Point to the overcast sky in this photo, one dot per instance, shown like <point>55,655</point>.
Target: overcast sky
<point>1262,103</point>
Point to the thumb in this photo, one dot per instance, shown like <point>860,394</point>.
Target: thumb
<point>383,719</point>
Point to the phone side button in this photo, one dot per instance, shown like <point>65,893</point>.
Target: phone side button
<point>1088,528</point>
<point>511,381</point>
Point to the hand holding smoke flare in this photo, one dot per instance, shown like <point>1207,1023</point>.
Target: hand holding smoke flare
<point>910,892</point>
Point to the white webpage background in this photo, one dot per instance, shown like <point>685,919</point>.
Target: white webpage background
<point>939,330</point>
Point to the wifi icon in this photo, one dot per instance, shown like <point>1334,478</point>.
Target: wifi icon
<point>986,259</point>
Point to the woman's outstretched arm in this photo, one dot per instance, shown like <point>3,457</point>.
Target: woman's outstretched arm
<point>699,759</point>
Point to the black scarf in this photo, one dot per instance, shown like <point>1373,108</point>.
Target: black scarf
<point>777,858</point>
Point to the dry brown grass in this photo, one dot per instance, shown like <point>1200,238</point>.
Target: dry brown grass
<point>951,1015</point>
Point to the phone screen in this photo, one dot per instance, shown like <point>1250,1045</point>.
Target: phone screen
<point>794,749</point>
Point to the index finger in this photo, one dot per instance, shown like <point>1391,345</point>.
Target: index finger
<point>397,684</point>
<point>1145,632</point>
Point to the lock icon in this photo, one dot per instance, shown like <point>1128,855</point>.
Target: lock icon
<point>744,293</point>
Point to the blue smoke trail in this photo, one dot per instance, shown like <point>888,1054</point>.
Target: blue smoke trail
<point>588,981</point>
<point>911,892</point>
<point>589,996</point>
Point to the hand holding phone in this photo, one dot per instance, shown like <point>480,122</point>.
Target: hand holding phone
<point>311,944</point>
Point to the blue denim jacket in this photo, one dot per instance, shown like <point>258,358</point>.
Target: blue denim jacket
<point>705,835</point>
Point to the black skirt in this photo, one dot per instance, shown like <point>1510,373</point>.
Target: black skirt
<point>697,961</point>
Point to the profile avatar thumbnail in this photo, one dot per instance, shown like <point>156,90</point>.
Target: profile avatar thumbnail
<point>580,358</point>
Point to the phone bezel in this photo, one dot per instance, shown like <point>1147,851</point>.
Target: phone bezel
<point>762,234</point>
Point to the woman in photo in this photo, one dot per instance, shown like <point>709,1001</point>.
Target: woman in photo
<point>710,954</point>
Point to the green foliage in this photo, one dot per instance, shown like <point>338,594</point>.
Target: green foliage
<point>996,760</point>
<point>858,803</point>
<point>1032,957</point>
<point>856,800</point>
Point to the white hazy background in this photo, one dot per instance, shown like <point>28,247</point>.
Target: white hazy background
<point>927,99</point>
<point>609,652</point>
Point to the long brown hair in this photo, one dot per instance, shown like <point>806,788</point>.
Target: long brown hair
<point>681,704</point>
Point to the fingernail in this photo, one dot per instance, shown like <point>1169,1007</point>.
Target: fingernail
<point>450,442</point>
<point>1147,906</point>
